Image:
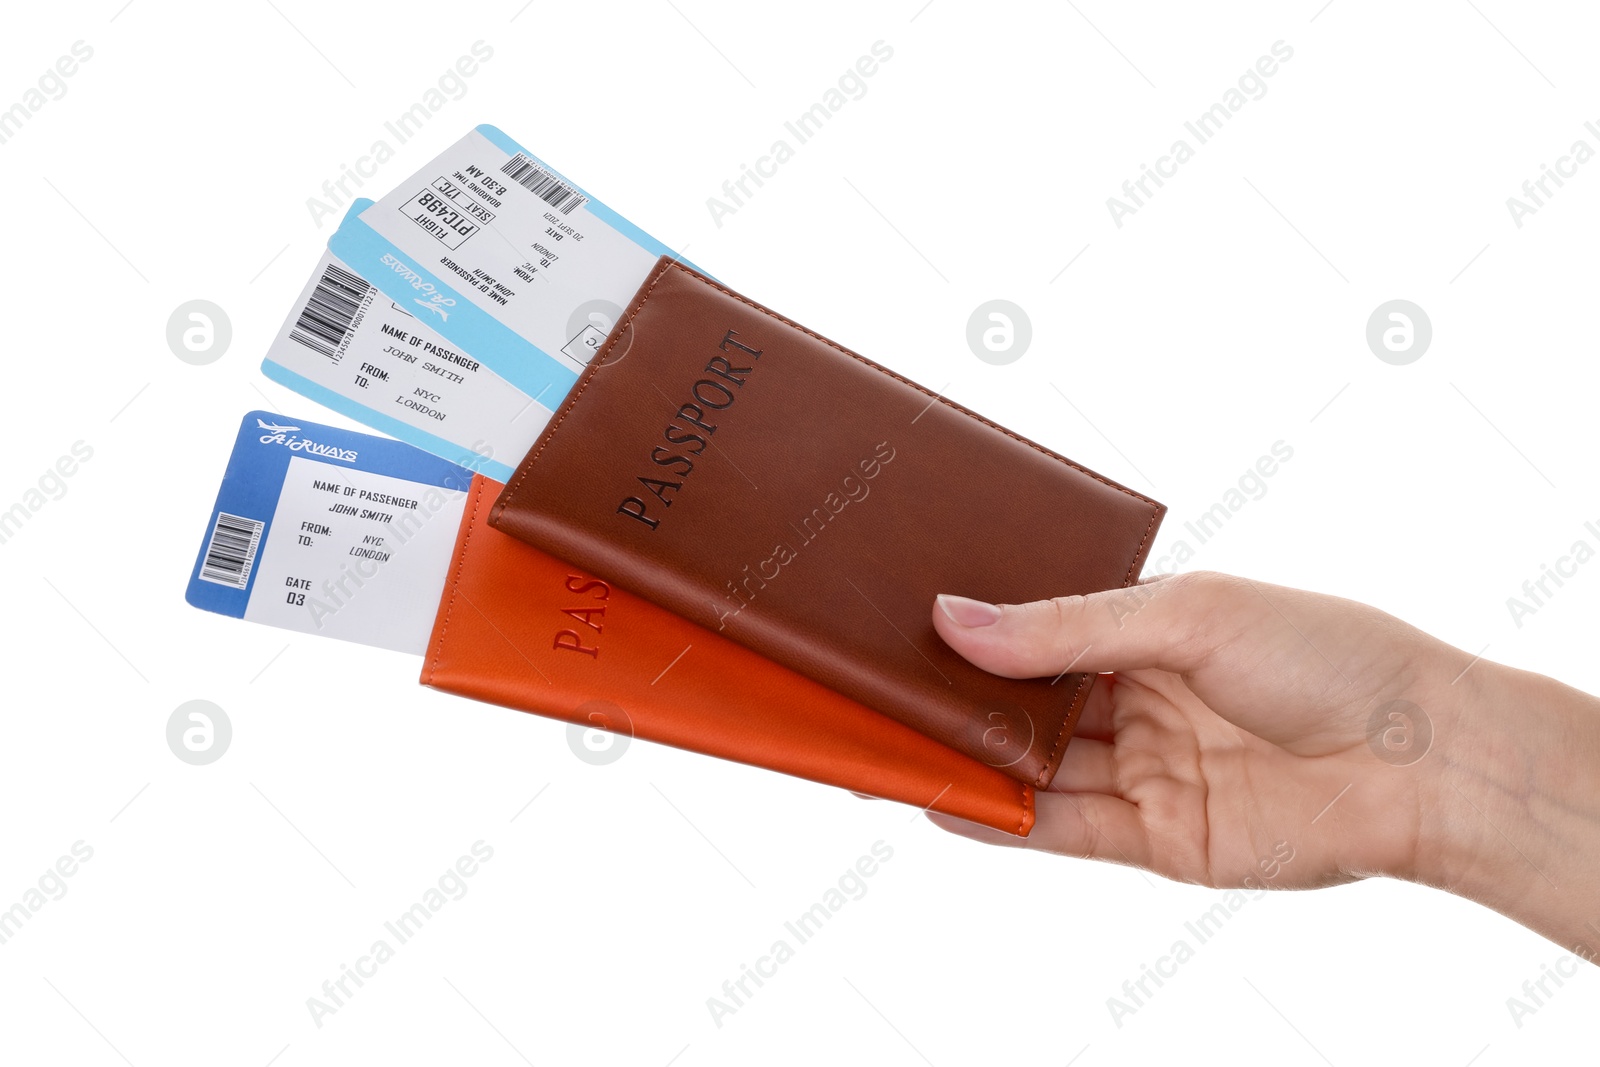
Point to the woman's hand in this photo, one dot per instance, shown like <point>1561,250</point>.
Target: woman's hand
<point>1253,735</point>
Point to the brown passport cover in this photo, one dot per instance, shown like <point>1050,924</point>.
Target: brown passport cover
<point>769,485</point>
<point>522,629</point>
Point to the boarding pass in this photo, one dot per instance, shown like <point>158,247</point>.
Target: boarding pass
<point>330,532</point>
<point>352,348</point>
<point>505,258</point>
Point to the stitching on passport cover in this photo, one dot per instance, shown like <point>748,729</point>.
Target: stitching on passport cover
<point>1061,738</point>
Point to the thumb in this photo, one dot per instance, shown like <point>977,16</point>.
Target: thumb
<point>1172,624</point>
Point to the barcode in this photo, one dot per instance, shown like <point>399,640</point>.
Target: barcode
<point>541,183</point>
<point>331,311</point>
<point>232,551</point>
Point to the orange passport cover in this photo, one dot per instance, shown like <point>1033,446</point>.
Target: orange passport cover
<point>524,630</point>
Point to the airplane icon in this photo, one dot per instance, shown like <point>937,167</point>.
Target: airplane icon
<point>272,427</point>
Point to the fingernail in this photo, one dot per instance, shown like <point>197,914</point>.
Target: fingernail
<point>964,611</point>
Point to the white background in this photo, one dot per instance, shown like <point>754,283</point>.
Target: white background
<point>1226,315</point>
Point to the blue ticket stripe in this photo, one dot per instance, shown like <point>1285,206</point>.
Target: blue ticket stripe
<point>449,450</point>
<point>254,481</point>
<point>478,333</point>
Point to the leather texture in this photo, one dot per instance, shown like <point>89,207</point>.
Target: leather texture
<point>769,485</point>
<point>521,629</point>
